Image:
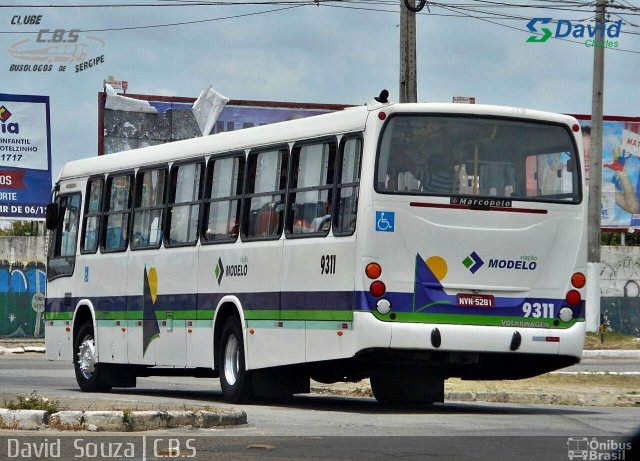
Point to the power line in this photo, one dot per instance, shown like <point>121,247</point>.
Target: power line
<point>462,10</point>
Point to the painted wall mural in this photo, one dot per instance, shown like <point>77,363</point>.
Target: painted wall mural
<point>620,289</point>
<point>22,288</point>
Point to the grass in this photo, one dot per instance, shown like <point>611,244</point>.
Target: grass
<point>33,402</point>
<point>611,340</point>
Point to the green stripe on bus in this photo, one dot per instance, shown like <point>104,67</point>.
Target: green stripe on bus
<point>58,315</point>
<point>346,316</point>
<point>480,320</point>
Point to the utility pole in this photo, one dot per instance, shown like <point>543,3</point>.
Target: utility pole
<point>595,180</point>
<point>595,157</point>
<point>408,84</point>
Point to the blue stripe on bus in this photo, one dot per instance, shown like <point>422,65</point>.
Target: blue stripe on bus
<point>311,300</point>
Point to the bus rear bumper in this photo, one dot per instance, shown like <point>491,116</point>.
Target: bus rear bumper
<point>470,351</point>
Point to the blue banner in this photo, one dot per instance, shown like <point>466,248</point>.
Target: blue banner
<point>25,156</point>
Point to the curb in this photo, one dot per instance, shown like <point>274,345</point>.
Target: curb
<point>118,421</point>
<point>22,349</point>
<point>612,353</point>
<point>598,400</point>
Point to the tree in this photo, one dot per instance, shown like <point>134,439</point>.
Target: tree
<point>20,229</point>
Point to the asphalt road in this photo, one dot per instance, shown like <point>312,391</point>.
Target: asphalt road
<point>320,427</point>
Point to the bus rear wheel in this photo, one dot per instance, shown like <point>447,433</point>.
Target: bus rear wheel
<point>235,380</point>
<point>89,374</point>
<point>401,387</point>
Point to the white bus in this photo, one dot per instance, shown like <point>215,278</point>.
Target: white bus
<point>405,243</point>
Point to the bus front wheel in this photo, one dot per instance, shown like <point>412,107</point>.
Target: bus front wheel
<point>235,380</point>
<point>89,374</point>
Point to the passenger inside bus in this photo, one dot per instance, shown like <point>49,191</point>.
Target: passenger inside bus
<point>400,171</point>
<point>440,175</point>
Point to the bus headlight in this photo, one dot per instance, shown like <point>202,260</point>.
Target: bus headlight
<point>566,314</point>
<point>383,306</point>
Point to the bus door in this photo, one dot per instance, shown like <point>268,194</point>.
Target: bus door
<point>61,288</point>
<point>318,262</point>
<point>167,259</point>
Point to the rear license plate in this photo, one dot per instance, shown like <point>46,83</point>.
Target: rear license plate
<point>473,300</point>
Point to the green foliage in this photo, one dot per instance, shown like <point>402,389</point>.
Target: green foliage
<point>33,402</point>
<point>19,229</point>
<point>127,415</point>
<point>615,239</point>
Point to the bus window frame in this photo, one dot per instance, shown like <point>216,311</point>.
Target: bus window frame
<point>339,185</point>
<point>207,201</point>
<point>171,202</point>
<point>288,218</point>
<point>244,215</point>
<point>55,242</point>
<point>576,155</point>
<point>163,207</point>
<point>99,214</point>
<point>106,213</point>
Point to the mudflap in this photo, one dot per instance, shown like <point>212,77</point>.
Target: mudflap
<point>118,375</point>
<point>279,383</point>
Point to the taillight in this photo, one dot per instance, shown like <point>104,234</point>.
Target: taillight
<point>578,280</point>
<point>377,289</point>
<point>373,270</point>
<point>573,297</point>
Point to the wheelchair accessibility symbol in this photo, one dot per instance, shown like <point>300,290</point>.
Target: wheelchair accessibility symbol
<point>385,221</point>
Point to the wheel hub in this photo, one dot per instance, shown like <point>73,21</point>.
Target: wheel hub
<point>231,360</point>
<point>87,357</point>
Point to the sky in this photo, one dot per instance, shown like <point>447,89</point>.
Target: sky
<point>303,51</point>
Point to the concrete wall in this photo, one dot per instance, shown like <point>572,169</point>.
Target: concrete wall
<point>620,288</point>
<point>22,286</point>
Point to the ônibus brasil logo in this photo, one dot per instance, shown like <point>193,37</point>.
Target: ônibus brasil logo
<point>597,35</point>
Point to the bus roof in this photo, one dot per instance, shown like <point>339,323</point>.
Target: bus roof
<point>348,120</point>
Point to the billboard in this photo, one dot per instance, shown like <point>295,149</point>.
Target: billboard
<point>620,171</point>
<point>170,118</point>
<point>25,156</point>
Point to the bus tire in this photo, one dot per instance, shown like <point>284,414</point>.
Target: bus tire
<point>402,387</point>
<point>89,374</point>
<point>387,390</point>
<point>235,380</point>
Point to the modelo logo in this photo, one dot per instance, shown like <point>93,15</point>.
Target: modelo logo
<point>236,270</point>
<point>5,127</point>
<point>512,264</point>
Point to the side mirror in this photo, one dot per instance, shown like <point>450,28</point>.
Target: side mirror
<point>51,216</point>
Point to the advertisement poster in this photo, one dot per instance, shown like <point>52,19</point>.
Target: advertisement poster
<point>25,156</point>
<point>620,172</point>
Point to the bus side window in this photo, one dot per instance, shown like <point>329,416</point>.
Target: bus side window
<point>149,208</point>
<point>62,255</point>
<point>92,215</point>
<point>222,200</point>
<point>310,189</point>
<point>348,186</point>
<point>184,208</point>
<point>263,214</point>
<point>115,236</point>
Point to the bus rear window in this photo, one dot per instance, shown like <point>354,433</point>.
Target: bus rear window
<point>458,156</point>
